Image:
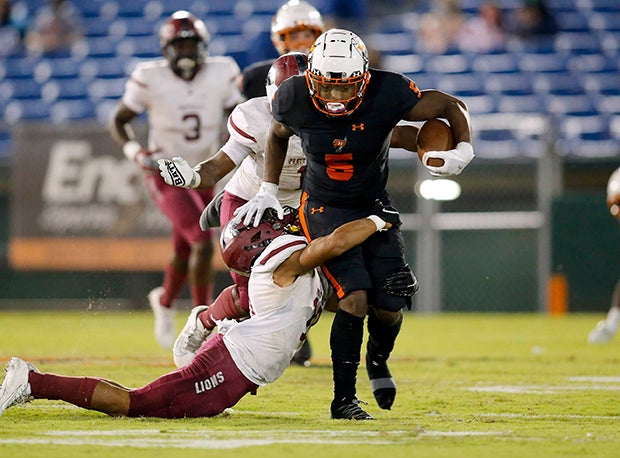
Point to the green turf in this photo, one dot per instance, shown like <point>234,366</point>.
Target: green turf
<point>468,386</point>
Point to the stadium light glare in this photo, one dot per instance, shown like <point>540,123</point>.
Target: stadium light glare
<point>442,189</point>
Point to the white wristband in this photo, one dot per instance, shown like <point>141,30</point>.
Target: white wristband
<point>268,187</point>
<point>378,222</point>
<point>195,181</point>
<point>131,149</point>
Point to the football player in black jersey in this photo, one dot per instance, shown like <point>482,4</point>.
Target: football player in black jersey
<point>294,27</point>
<point>344,114</point>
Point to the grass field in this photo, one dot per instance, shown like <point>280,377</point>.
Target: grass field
<point>468,386</point>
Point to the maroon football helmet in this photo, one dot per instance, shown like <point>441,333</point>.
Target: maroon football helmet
<point>184,39</point>
<point>285,66</point>
<point>242,244</point>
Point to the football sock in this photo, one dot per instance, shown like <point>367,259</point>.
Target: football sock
<point>173,282</point>
<point>380,344</point>
<point>76,390</point>
<point>345,341</point>
<point>226,305</point>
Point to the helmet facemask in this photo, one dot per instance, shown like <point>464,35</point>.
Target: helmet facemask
<point>337,75</point>
<point>185,56</point>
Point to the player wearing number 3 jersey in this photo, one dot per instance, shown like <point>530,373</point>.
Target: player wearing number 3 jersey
<point>187,96</point>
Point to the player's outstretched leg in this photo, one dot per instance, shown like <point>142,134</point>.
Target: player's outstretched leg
<point>380,344</point>
<point>16,388</point>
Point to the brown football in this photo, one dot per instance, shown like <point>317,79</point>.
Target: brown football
<point>435,135</point>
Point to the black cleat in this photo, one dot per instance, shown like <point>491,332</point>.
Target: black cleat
<point>303,355</point>
<point>381,382</point>
<point>349,409</point>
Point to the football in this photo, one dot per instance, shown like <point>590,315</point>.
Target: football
<point>435,135</point>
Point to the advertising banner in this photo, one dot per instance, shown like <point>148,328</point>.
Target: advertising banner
<point>78,204</point>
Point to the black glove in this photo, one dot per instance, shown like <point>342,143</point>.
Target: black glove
<point>401,283</point>
<point>210,217</point>
<point>387,214</point>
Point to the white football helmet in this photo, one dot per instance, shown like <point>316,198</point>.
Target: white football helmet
<point>295,16</point>
<point>337,75</point>
<point>285,66</point>
<point>613,193</point>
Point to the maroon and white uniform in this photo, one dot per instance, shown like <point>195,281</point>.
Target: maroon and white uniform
<point>185,119</point>
<point>243,355</point>
<point>248,126</point>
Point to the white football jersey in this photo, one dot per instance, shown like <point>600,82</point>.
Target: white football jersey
<point>262,346</point>
<point>186,118</point>
<point>248,126</point>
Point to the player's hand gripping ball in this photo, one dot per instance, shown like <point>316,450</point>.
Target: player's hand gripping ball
<point>434,135</point>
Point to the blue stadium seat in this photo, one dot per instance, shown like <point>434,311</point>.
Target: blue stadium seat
<point>509,83</point>
<point>561,105</point>
<point>495,63</point>
<point>605,21</point>
<point>404,63</point>
<point>48,69</point>
<point>479,104</point>
<point>521,103</point>
<point>71,110</point>
<point>557,83</point>
<point>587,137</point>
<point>97,26</point>
<point>593,63</point>
<point>605,83</point>
<point>132,27</point>
<point>451,63</point>
<point>64,89</point>
<point>19,89</point>
<point>105,67</point>
<point>577,43</point>
<point>17,67</point>
<point>24,110</point>
<point>572,21</point>
<point>106,89</point>
<point>461,84</point>
<point>146,47</point>
<point>96,47</point>
<point>542,63</point>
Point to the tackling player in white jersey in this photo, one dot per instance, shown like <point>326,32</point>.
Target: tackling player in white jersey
<point>288,293</point>
<point>248,126</point>
<point>187,96</point>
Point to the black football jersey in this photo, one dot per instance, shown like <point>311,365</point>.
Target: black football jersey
<point>347,156</point>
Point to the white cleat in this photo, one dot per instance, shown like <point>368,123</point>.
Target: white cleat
<point>191,338</point>
<point>601,333</point>
<point>15,389</point>
<point>164,319</point>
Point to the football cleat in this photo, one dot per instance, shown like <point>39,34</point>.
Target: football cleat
<point>349,409</point>
<point>191,338</point>
<point>15,389</point>
<point>303,355</point>
<point>164,319</point>
<point>381,381</point>
<point>601,333</point>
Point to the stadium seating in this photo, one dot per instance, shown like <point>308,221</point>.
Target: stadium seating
<point>574,76</point>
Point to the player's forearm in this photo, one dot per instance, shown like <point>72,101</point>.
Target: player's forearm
<point>275,155</point>
<point>214,169</point>
<point>405,136</point>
